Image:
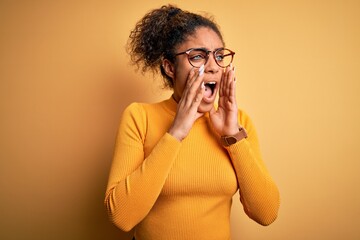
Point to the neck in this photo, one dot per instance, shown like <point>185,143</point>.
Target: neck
<point>176,100</point>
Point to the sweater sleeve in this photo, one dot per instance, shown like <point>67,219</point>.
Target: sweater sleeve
<point>258,192</point>
<point>134,182</point>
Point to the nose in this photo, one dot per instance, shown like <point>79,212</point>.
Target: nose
<point>211,65</point>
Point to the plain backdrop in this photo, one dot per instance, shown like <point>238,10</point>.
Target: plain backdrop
<point>65,79</point>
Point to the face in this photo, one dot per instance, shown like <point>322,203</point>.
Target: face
<point>202,38</point>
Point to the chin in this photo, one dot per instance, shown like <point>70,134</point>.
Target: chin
<point>205,107</point>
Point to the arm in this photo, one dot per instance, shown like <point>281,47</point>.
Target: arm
<point>134,182</point>
<point>258,192</point>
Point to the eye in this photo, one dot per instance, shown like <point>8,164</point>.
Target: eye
<point>219,57</point>
<point>197,55</point>
<point>223,55</point>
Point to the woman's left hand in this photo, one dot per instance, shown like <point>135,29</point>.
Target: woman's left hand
<point>225,119</point>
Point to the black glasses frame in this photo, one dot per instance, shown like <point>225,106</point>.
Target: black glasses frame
<point>187,52</point>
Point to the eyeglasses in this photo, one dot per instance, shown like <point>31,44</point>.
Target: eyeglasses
<point>199,56</point>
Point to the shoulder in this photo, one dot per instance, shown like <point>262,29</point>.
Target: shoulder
<point>142,107</point>
<point>133,110</point>
<point>133,121</point>
<point>245,120</point>
<point>243,116</point>
<point>142,111</point>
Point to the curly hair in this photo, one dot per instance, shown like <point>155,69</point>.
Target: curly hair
<point>159,32</point>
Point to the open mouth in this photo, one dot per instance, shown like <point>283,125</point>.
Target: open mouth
<point>209,89</point>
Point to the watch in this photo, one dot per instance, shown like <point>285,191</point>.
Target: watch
<point>230,140</point>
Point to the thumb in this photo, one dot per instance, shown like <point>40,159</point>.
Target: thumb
<point>212,111</point>
<point>198,115</point>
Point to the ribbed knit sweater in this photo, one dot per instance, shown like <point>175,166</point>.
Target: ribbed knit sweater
<point>167,189</point>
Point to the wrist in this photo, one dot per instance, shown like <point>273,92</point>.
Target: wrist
<point>176,134</point>
<point>230,131</point>
<point>228,140</point>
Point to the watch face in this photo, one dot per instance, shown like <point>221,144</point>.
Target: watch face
<point>231,140</point>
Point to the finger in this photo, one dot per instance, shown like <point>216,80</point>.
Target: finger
<point>233,84</point>
<point>212,111</point>
<point>232,90</point>
<point>228,80</point>
<point>195,85</point>
<point>190,79</point>
<point>221,89</point>
<point>185,99</point>
<point>196,72</point>
<point>231,80</point>
<point>199,78</point>
<point>199,96</point>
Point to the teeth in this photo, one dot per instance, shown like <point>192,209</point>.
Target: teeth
<point>211,83</point>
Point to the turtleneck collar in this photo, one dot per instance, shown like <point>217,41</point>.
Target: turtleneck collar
<point>171,106</point>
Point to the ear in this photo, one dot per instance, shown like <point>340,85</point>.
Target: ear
<point>169,68</point>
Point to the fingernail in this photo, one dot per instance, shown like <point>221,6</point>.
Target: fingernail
<point>201,70</point>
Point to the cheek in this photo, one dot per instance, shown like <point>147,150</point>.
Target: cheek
<point>180,78</point>
<point>179,86</point>
<point>220,73</point>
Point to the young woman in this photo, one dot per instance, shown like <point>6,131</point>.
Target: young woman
<point>178,163</point>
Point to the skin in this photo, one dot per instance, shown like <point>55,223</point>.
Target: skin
<point>189,89</point>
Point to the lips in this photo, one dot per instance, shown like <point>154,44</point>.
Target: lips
<point>210,90</point>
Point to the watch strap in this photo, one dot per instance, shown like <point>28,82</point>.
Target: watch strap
<point>230,140</point>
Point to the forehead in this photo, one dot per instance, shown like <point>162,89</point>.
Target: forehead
<point>203,37</point>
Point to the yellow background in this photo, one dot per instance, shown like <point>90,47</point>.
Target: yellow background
<point>65,79</point>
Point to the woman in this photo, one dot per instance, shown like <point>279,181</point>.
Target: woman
<point>178,163</point>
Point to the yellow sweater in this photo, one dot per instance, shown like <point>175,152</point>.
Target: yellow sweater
<point>172,190</point>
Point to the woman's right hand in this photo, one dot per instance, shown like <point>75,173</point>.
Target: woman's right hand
<point>187,108</point>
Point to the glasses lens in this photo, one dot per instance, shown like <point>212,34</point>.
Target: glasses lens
<point>223,57</point>
<point>197,57</point>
